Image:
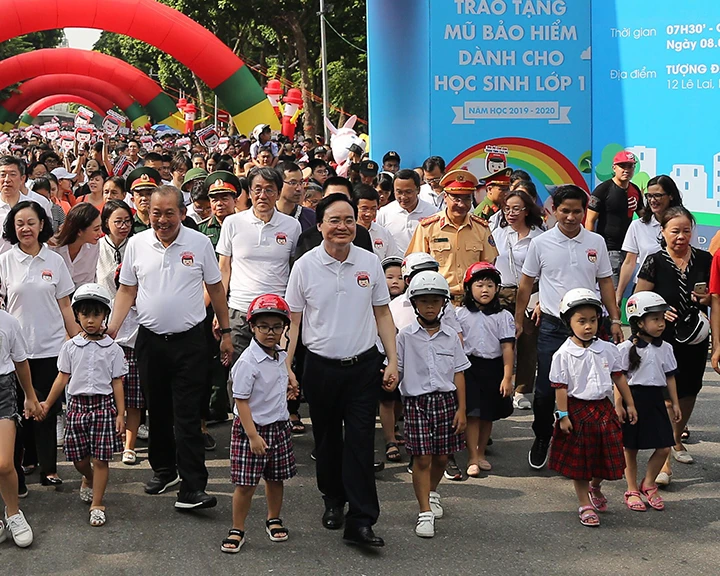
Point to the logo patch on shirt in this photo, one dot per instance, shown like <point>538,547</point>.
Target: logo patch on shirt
<point>281,238</point>
<point>187,258</point>
<point>491,241</point>
<point>47,275</point>
<point>379,243</point>
<point>363,279</point>
<point>592,255</point>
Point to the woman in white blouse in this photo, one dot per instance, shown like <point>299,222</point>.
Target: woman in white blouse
<point>521,221</point>
<point>77,242</point>
<point>37,285</point>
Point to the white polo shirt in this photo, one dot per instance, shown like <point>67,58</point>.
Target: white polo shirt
<point>83,269</point>
<point>33,286</point>
<point>483,334</point>
<point>384,244</point>
<point>656,363</point>
<point>564,263</point>
<point>262,381</point>
<point>337,300</point>
<point>512,250</point>
<point>12,343</point>
<point>429,363</point>
<point>401,223</point>
<point>428,195</point>
<point>586,371</point>
<point>5,210</point>
<point>260,253</point>
<point>93,364</point>
<point>170,280</point>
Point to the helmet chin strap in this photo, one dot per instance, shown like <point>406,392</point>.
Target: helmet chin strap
<point>269,350</point>
<point>586,343</point>
<point>429,323</point>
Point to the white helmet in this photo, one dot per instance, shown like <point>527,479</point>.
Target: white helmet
<point>92,291</point>
<point>428,283</point>
<point>418,261</point>
<point>578,297</point>
<point>693,327</point>
<point>645,302</point>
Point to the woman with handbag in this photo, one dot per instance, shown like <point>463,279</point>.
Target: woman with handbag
<point>680,274</point>
<point>521,221</point>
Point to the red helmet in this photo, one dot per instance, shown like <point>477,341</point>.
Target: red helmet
<point>268,304</point>
<point>481,269</point>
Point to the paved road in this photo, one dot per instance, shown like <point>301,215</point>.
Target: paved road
<point>513,521</point>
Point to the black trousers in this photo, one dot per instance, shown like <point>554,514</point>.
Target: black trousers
<point>217,399</point>
<point>347,395</point>
<point>173,373</point>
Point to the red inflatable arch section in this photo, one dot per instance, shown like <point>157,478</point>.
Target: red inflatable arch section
<point>96,103</point>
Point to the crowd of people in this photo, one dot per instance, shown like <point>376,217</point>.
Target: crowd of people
<point>156,291</point>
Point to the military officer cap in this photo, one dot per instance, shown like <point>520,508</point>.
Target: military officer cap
<point>499,178</point>
<point>143,178</point>
<point>222,182</point>
<point>459,182</point>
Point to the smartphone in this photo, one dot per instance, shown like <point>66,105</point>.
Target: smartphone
<point>700,288</point>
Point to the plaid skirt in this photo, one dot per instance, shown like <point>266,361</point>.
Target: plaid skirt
<point>594,447</point>
<point>134,397</point>
<point>90,428</point>
<point>429,424</point>
<point>278,463</point>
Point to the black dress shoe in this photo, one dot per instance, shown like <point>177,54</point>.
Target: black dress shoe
<point>333,517</point>
<point>195,500</point>
<point>363,536</point>
<point>47,481</point>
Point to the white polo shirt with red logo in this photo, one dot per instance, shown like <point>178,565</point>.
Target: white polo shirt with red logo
<point>384,244</point>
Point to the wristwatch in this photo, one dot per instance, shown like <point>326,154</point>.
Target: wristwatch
<point>225,330</point>
<point>560,414</point>
<point>616,321</point>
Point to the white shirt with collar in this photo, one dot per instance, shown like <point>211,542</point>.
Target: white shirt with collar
<point>337,300</point>
<point>262,381</point>
<point>656,363</point>
<point>5,210</point>
<point>401,223</point>
<point>512,250</point>
<point>12,343</point>
<point>83,269</point>
<point>260,253</point>
<point>428,195</point>
<point>483,334</point>
<point>170,297</point>
<point>586,371</point>
<point>384,244</point>
<point>429,363</point>
<point>563,263</point>
<point>32,286</point>
<point>92,364</point>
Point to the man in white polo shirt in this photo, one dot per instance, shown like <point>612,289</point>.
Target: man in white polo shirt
<point>567,256</point>
<point>402,216</point>
<point>339,294</point>
<point>255,249</point>
<point>164,273</point>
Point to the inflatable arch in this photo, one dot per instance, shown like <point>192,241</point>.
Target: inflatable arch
<point>163,27</point>
<point>143,89</point>
<point>92,101</point>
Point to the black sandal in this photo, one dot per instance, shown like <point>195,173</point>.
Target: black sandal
<point>273,532</point>
<point>232,545</point>
<point>392,452</point>
<point>297,425</point>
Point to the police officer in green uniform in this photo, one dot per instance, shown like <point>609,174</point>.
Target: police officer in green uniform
<point>496,186</point>
<point>141,182</point>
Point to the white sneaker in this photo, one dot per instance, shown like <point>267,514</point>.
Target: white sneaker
<point>19,529</point>
<point>143,432</point>
<point>522,402</point>
<point>435,505</point>
<point>60,429</point>
<point>425,527</point>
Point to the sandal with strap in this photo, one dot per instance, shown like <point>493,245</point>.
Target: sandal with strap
<point>588,516</point>
<point>233,545</point>
<point>653,498</point>
<point>97,517</point>
<point>392,452</point>
<point>273,532</point>
<point>129,457</point>
<point>297,425</point>
<point>597,499</point>
<point>634,506</point>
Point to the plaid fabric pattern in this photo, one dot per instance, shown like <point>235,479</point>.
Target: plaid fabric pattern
<point>594,448</point>
<point>428,424</point>
<point>278,463</point>
<point>134,397</point>
<point>90,428</point>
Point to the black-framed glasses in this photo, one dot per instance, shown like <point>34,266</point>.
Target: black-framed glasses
<point>275,329</point>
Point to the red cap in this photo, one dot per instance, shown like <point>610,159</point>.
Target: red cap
<point>624,156</point>
<point>268,304</point>
<point>481,268</point>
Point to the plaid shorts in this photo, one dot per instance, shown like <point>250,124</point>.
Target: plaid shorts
<point>428,424</point>
<point>276,465</point>
<point>90,428</point>
<point>134,397</point>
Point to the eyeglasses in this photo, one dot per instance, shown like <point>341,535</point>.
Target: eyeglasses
<point>432,180</point>
<point>266,191</point>
<point>293,183</point>
<point>122,223</point>
<point>459,199</point>
<point>513,210</point>
<point>321,172</point>
<point>652,197</point>
<point>335,222</point>
<point>265,329</point>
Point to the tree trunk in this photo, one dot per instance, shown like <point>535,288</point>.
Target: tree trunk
<point>199,92</point>
<point>310,126</point>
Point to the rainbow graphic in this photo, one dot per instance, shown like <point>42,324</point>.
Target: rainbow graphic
<point>545,164</point>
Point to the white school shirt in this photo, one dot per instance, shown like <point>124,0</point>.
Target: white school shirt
<point>260,253</point>
<point>83,269</point>
<point>262,381</point>
<point>92,364</point>
<point>5,210</point>
<point>428,195</point>
<point>170,297</point>
<point>337,300</point>
<point>429,363</point>
<point>586,371</point>
<point>12,343</point>
<point>483,335</point>
<point>564,263</point>
<point>33,286</point>
<point>383,243</point>
<point>506,240</point>
<point>656,363</point>
<point>401,223</point>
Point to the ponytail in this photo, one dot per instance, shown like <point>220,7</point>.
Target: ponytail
<point>634,356</point>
